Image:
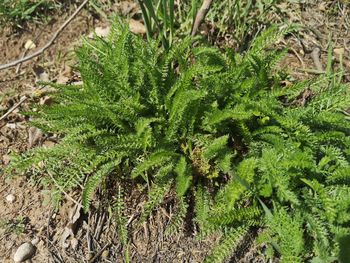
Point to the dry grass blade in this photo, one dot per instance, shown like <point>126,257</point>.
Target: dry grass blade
<point>23,99</point>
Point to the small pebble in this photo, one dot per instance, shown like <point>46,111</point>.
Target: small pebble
<point>6,159</point>
<point>339,51</point>
<point>24,252</point>
<point>29,44</point>
<point>35,241</point>
<point>10,198</point>
<point>11,126</point>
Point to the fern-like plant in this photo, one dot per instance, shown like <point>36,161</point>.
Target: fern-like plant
<point>212,124</point>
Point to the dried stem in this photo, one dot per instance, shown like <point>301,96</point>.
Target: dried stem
<point>202,12</point>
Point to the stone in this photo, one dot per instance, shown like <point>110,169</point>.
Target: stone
<point>6,159</point>
<point>137,27</point>
<point>24,252</point>
<point>100,32</point>
<point>339,51</point>
<point>11,126</point>
<point>35,241</point>
<point>29,44</point>
<point>10,198</point>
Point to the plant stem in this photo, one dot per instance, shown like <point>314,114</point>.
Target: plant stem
<point>202,12</point>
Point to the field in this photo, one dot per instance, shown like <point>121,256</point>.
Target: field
<point>132,135</point>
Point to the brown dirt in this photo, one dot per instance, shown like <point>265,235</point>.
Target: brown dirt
<point>322,22</point>
<point>29,205</point>
<point>33,216</point>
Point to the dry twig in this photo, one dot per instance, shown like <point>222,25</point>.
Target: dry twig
<point>48,44</point>
<point>23,99</point>
<point>295,53</point>
<point>202,12</point>
<point>98,254</point>
<point>62,190</point>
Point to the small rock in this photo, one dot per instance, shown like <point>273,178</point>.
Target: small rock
<point>137,27</point>
<point>6,159</point>
<point>24,252</point>
<point>35,241</point>
<point>339,51</point>
<point>100,32</point>
<point>29,44</point>
<point>10,198</point>
<point>11,126</point>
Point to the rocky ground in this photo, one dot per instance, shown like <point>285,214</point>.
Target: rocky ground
<point>29,222</point>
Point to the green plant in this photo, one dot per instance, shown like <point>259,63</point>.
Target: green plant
<point>216,126</point>
<point>166,19</point>
<point>159,17</point>
<point>121,220</point>
<point>20,11</point>
<point>241,19</point>
<point>16,225</point>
